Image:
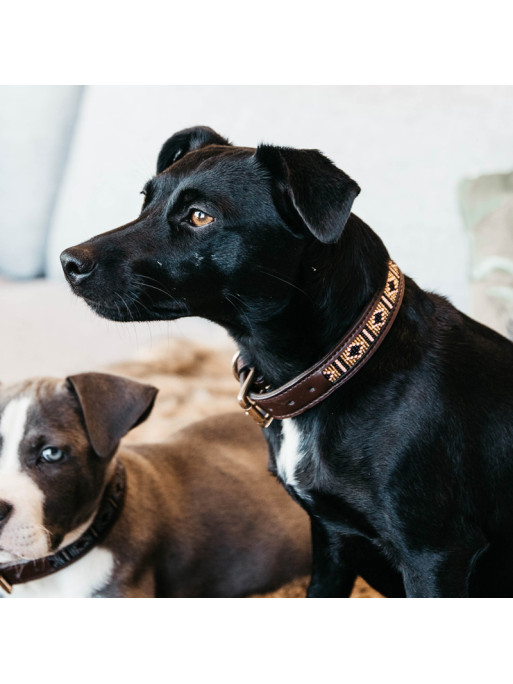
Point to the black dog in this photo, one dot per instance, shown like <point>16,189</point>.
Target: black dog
<point>407,469</point>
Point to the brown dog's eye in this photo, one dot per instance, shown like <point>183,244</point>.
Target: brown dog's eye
<point>52,454</point>
<point>199,218</point>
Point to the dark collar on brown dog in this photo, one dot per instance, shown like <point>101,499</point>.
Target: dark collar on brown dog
<point>334,370</point>
<point>108,513</point>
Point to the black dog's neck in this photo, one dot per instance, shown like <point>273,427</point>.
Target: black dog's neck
<point>333,286</point>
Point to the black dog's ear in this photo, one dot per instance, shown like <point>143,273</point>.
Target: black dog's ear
<point>111,406</point>
<point>319,192</point>
<point>184,141</point>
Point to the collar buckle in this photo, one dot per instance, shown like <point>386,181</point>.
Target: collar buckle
<point>318,382</point>
<point>4,584</point>
<point>250,407</point>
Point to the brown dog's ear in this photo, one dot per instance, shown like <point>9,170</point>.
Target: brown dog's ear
<point>111,406</point>
<point>185,141</point>
<point>318,191</point>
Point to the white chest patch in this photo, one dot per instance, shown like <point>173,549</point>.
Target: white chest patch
<point>80,580</point>
<point>289,455</point>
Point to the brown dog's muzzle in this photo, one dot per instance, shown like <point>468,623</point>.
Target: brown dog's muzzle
<point>5,511</point>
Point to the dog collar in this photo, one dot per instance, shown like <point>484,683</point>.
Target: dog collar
<point>334,370</point>
<point>108,513</point>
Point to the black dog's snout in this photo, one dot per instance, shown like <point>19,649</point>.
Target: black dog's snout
<point>77,265</point>
<point>5,511</point>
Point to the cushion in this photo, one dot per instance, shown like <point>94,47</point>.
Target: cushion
<point>36,124</point>
<point>487,207</point>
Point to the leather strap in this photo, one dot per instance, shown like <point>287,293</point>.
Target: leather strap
<point>108,513</point>
<point>334,370</point>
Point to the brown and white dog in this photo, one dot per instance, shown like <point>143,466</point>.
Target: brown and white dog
<point>201,515</point>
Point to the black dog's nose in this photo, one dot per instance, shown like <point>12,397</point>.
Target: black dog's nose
<point>77,265</point>
<point>5,511</point>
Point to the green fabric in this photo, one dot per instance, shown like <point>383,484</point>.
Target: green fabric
<point>481,196</point>
<point>486,205</point>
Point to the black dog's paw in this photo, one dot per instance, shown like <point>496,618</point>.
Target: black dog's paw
<point>339,589</point>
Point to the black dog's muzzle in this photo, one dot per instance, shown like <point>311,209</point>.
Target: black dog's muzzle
<point>77,265</point>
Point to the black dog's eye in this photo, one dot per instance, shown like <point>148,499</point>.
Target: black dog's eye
<point>198,218</point>
<point>52,454</point>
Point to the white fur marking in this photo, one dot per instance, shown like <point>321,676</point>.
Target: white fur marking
<point>289,456</point>
<point>23,535</point>
<point>80,580</point>
<point>12,428</point>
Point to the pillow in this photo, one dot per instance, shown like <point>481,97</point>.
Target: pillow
<point>487,207</point>
<point>36,124</point>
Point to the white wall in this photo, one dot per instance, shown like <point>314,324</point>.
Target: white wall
<point>408,147</point>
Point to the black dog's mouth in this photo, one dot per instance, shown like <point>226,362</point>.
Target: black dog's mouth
<point>125,310</point>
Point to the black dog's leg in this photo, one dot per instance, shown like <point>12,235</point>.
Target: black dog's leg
<point>332,577</point>
<point>440,574</point>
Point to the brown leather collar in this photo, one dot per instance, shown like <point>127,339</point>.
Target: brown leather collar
<point>108,513</point>
<point>334,370</point>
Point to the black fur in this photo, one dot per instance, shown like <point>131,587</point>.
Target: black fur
<point>408,469</point>
<point>186,141</point>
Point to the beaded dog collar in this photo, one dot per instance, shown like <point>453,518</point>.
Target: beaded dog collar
<point>334,370</point>
<point>108,513</point>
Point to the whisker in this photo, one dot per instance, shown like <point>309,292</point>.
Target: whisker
<point>137,280</point>
<point>238,309</point>
<point>283,280</point>
<point>145,277</point>
<point>159,289</point>
<point>131,318</point>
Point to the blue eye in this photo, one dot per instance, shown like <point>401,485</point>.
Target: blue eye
<point>52,454</point>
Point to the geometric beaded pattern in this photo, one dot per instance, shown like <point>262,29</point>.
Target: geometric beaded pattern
<point>357,348</point>
<point>354,352</point>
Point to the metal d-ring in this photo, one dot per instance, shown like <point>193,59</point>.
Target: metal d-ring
<point>250,407</point>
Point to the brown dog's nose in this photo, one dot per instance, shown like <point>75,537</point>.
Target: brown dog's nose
<point>77,265</point>
<point>5,511</point>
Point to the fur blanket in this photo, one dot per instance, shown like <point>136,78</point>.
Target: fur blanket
<point>195,382</point>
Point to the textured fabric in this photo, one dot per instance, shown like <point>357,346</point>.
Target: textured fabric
<point>487,208</point>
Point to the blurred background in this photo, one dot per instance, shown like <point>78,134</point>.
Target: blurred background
<point>434,163</point>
